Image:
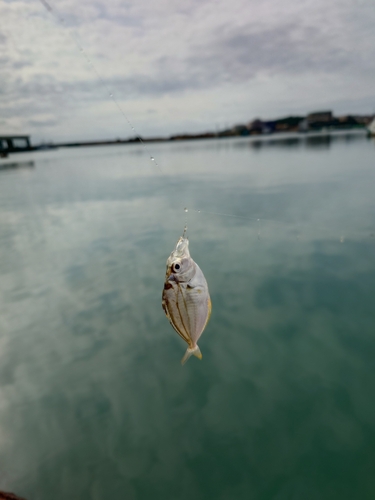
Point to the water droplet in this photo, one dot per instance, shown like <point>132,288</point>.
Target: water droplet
<point>81,49</point>
<point>133,129</point>
<point>111,95</point>
<point>186,210</point>
<point>342,239</point>
<point>152,158</point>
<point>258,220</point>
<point>199,211</point>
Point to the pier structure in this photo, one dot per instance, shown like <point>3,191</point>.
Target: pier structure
<point>14,144</point>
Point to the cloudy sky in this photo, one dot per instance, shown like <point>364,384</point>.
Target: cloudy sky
<point>179,66</point>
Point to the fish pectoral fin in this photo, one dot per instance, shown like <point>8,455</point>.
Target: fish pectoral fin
<point>195,351</point>
<point>193,286</point>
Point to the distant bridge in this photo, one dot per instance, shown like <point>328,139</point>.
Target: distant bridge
<point>14,144</point>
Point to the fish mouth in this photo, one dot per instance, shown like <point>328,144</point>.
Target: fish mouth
<point>169,274</point>
<point>182,248</point>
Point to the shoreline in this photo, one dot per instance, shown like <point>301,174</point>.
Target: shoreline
<point>201,137</point>
<point>256,139</point>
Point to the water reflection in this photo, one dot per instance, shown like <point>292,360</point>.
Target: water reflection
<point>313,141</point>
<point>16,165</point>
<point>91,385</point>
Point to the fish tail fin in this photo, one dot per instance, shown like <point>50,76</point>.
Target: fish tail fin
<point>195,351</point>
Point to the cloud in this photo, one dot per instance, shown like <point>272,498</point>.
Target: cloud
<point>197,56</point>
<point>43,122</point>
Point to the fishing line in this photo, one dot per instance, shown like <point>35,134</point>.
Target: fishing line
<point>84,54</point>
<point>110,93</point>
<point>259,220</point>
<point>186,210</point>
<point>229,215</point>
<point>88,60</point>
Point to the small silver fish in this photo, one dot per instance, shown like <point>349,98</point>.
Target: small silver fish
<point>186,301</point>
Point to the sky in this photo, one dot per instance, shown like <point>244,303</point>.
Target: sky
<point>179,67</point>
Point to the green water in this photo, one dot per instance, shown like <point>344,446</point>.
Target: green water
<point>94,403</point>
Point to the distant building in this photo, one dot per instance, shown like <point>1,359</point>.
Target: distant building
<point>256,126</point>
<point>288,124</point>
<point>240,130</point>
<point>364,119</point>
<point>371,128</point>
<point>347,121</point>
<point>303,126</point>
<point>320,120</point>
<point>319,117</point>
<point>14,144</point>
<point>268,127</point>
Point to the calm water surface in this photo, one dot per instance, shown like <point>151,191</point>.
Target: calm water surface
<point>94,403</point>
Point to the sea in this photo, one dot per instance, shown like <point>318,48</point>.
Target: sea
<point>94,402</point>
